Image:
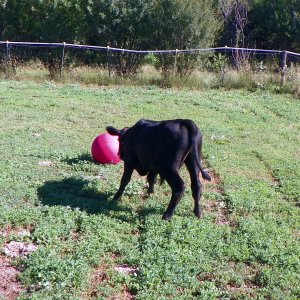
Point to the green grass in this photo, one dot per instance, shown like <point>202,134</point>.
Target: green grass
<point>251,141</point>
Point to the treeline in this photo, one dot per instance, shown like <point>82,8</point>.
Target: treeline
<point>154,24</point>
<point>139,24</point>
<point>266,24</point>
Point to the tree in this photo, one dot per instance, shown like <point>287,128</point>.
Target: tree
<point>235,16</point>
<point>182,24</point>
<point>119,23</point>
<point>41,20</point>
<point>2,14</point>
<point>276,24</point>
<point>131,24</point>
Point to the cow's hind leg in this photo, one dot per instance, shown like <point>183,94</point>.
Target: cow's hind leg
<point>151,178</point>
<point>124,181</point>
<point>177,185</point>
<point>195,183</point>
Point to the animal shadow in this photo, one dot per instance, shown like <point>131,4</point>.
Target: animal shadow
<point>77,193</point>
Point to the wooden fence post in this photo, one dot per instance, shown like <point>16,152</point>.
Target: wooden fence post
<point>7,60</point>
<point>7,50</point>
<point>222,75</point>
<point>175,63</point>
<point>62,60</point>
<point>108,60</point>
<point>283,67</point>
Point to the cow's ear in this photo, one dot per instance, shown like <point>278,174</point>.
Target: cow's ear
<point>113,131</point>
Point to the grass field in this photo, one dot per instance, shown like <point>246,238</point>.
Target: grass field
<point>245,247</point>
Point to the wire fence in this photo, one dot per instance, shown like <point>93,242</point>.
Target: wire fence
<point>58,57</point>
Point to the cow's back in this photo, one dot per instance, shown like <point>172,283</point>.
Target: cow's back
<point>160,144</point>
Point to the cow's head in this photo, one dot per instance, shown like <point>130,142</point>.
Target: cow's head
<point>118,132</point>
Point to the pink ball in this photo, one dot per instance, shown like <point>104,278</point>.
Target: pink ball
<point>105,149</point>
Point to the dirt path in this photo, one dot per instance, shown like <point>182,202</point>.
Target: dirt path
<point>10,284</point>
<point>216,207</point>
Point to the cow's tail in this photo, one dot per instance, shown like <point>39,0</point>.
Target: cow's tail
<point>194,135</point>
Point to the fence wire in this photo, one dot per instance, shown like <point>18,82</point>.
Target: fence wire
<point>57,57</point>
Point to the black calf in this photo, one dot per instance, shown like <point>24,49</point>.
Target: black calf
<point>153,148</point>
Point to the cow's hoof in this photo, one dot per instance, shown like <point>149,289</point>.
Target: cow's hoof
<point>116,198</point>
<point>167,217</point>
<point>198,214</point>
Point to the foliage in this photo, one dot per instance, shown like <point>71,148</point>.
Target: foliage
<point>147,25</point>
<point>182,25</point>
<point>276,24</point>
<point>41,21</point>
<point>121,24</point>
<point>270,24</point>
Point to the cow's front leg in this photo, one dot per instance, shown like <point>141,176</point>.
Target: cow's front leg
<point>124,181</point>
